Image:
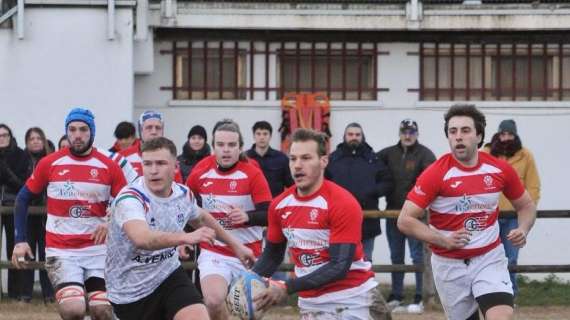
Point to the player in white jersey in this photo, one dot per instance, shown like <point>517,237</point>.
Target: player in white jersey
<point>236,193</point>
<point>462,191</point>
<point>79,180</point>
<point>145,279</point>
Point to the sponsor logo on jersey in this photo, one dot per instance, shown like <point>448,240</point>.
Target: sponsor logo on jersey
<point>309,259</point>
<point>475,223</point>
<point>79,211</point>
<point>418,191</point>
<point>68,191</point>
<point>456,184</point>
<point>233,186</point>
<point>63,172</point>
<point>207,184</point>
<point>180,219</point>
<point>152,222</point>
<point>94,173</point>
<point>155,258</point>
<point>286,215</point>
<point>466,204</point>
<point>313,216</point>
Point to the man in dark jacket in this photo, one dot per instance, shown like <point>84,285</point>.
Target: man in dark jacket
<point>273,163</point>
<point>406,160</point>
<point>355,167</point>
<point>13,169</point>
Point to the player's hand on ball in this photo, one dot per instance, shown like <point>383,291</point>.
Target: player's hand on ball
<point>517,237</point>
<point>276,293</point>
<point>202,234</point>
<point>238,216</point>
<point>457,239</point>
<point>21,251</point>
<point>100,234</point>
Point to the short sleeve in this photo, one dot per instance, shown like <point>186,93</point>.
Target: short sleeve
<point>194,208</point>
<point>345,219</point>
<point>426,188</point>
<point>260,191</point>
<point>127,208</point>
<point>39,179</point>
<point>274,231</point>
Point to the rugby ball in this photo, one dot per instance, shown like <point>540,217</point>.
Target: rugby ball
<point>241,294</point>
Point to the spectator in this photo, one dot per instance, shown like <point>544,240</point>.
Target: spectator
<point>406,160</point>
<point>194,149</point>
<point>13,168</point>
<point>126,136</point>
<point>151,125</point>
<point>37,147</point>
<point>63,142</point>
<point>506,144</point>
<point>273,163</point>
<point>355,167</point>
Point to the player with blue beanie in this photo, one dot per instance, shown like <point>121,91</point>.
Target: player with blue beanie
<point>87,117</point>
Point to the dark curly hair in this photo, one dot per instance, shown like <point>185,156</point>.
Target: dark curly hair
<point>467,110</point>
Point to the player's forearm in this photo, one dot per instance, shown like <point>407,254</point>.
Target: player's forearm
<point>415,228</point>
<point>258,217</point>
<point>526,216</point>
<point>21,214</point>
<point>208,221</point>
<point>155,240</point>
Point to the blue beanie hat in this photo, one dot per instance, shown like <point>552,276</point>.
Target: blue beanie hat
<point>83,115</point>
<point>147,115</point>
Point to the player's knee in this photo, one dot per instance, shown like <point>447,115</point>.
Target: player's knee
<point>500,313</point>
<point>214,301</point>
<point>72,311</point>
<point>101,312</point>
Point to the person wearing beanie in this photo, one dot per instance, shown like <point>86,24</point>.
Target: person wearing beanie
<point>195,148</point>
<point>80,181</point>
<point>151,125</point>
<point>355,167</point>
<point>80,130</point>
<point>407,159</point>
<point>507,145</point>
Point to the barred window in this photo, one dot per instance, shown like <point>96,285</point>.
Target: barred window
<point>341,73</point>
<point>215,73</point>
<point>497,72</point>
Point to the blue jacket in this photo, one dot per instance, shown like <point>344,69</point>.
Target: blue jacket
<point>275,167</point>
<point>362,173</point>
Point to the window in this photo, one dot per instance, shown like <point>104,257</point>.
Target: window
<point>497,72</point>
<point>215,73</point>
<point>341,73</point>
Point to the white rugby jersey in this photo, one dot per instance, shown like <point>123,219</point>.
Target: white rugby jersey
<point>132,273</point>
<point>460,197</point>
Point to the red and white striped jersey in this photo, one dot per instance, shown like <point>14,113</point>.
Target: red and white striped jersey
<point>460,197</point>
<point>78,192</point>
<point>134,157</point>
<point>310,224</point>
<point>243,186</point>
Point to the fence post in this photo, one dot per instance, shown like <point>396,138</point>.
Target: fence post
<point>428,289</point>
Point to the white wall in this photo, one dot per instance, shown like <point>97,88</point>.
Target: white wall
<point>544,130</point>
<point>66,60</point>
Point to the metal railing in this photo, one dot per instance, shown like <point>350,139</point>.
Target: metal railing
<point>429,288</point>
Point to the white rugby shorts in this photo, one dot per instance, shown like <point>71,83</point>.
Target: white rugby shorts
<point>459,282</point>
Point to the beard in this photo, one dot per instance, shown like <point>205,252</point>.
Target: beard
<point>79,151</point>
<point>505,148</point>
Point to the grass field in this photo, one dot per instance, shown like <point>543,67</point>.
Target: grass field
<point>538,300</point>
